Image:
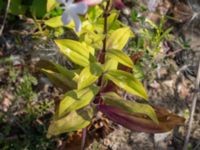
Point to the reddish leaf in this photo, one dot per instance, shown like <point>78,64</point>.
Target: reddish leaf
<point>137,122</point>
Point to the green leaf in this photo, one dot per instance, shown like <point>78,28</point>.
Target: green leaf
<point>127,82</point>
<point>93,39</point>
<point>94,13</point>
<point>38,8</point>
<point>76,51</point>
<point>118,38</point>
<point>134,15</point>
<point>74,121</point>
<point>16,8</point>
<point>54,22</point>
<point>48,65</point>
<point>115,100</point>
<point>60,80</point>
<point>76,99</point>
<point>112,24</point>
<point>112,20</point>
<point>58,75</point>
<point>110,64</point>
<point>166,33</point>
<point>70,74</point>
<point>120,56</point>
<point>51,5</point>
<point>153,25</point>
<point>89,75</point>
<point>138,72</point>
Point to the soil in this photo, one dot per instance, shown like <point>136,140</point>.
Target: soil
<point>171,85</point>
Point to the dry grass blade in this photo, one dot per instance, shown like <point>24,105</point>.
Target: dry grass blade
<point>4,20</point>
<point>192,110</point>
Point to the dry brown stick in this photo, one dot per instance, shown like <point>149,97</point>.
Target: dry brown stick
<point>187,137</point>
<point>4,19</point>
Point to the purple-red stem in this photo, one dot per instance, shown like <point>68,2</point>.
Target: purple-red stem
<point>101,56</point>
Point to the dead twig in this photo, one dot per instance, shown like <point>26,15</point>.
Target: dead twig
<point>5,16</point>
<point>195,95</point>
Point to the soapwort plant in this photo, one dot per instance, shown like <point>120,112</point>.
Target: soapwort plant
<point>101,72</point>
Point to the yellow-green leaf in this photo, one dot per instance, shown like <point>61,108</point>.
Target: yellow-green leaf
<point>94,39</point>
<point>51,5</point>
<point>120,56</point>
<point>112,18</point>
<point>54,22</point>
<point>110,64</point>
<point>113,23</point>
<point>57,22</point>
<point>115,100</point>
<point>127,82</point>
<point>76,51</point>
<point>94,13</point>
<point>118,38</point>
<point>89,75</point>
<point>74,121</point>
<point>76,99</point>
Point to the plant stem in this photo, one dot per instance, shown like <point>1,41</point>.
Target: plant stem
<point>84,134</point>
<point>101,55</point>
<point>103,51</point>
<point>37,24</point>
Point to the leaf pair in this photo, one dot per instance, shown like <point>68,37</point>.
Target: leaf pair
<point>58,75</point>
<point>127,82</point>
<point>74,121</point>
<point>115,43</point>
<point>138,116</point>
<point>141,123</point>
<point>70,115</point>
<point>76,99</point>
